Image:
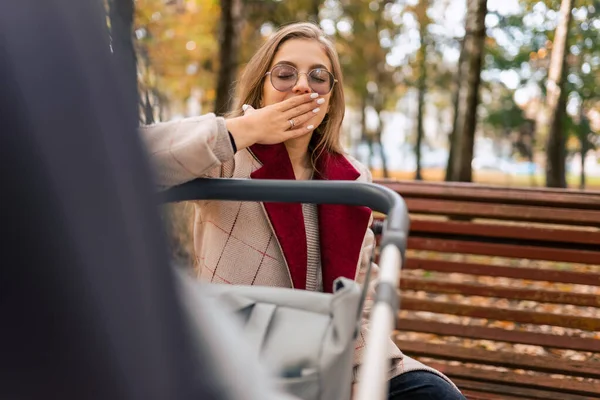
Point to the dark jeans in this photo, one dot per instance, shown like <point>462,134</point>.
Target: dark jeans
<point>422,385</point>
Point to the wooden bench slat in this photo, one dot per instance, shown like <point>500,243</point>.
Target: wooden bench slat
<point>519,380</point>
<point>523,393</point>
<point>504,212</point>
<point>477,395</point>
<point>446,245</point>
<point>533,274</point>
<point>513,232</point>
<point>588,369</point>
<point>498,334</point>
<point>589,199</point>
<point>525,317</point>
<point>543,296</point>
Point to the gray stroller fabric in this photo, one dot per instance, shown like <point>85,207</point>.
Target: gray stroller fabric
<point>308,337</point>
<point>222,338</point>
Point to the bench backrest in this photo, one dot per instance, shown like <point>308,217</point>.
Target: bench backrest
<point>492,236</point>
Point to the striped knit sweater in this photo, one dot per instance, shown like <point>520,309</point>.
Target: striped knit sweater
<point>314,277</point>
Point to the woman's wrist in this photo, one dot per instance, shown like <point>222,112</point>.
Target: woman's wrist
<point>240,133</point>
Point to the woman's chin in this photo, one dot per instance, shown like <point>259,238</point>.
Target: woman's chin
<point>302,138</point>
<point>307,135</point>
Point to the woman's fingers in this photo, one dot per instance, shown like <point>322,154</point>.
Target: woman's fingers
<point>303,118</point>
<point>300,129</point>
<point>301,110</point>
<point>296,101</point>
<point>296,132</point>
<point>247,109</point>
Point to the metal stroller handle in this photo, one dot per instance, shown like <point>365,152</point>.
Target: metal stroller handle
<point>377,197</point>
<point>374,369</point>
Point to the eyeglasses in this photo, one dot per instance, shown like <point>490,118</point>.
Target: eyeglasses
<point>285,77</point>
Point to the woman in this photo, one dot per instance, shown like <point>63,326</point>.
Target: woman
<point>292,95</point>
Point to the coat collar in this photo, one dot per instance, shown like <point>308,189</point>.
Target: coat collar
<point>341,228</point>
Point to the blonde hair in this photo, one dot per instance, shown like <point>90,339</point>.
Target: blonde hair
<point>250,86</point>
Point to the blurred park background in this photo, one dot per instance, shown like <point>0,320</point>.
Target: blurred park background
<point>501,91</point>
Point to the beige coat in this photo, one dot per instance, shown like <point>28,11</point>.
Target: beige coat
<point>265,244</point>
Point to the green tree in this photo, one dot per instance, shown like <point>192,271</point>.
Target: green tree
<point>583,79</point>
<point>363,47</point>
<point>177,49</point>
<point>528,51</point>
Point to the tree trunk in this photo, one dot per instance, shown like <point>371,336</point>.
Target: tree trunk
<point>532,171</point>
<point>549,122</point>
<point>584,144</point>
<point>121,31</point>
<point>381,150</point>
<point>419,141</point>
<point>314,11</point>
<point>363,129</point>
<point>371,153</point>
<point>148,109</point>
<point>555,148</point>
<point>530,155</point>
<point>229,43</point>
<point>422,66</point>
<point>149,97</point>
<point>526,147</point>
<point>468,91</point>
<point>582,173</point>
<point>452,137</point>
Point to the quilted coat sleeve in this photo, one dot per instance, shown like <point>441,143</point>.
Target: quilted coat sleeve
<point>187,149</point>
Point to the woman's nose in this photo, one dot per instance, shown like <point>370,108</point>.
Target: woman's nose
<point>302,86</point>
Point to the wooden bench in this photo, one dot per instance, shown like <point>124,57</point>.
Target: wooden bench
<point>489,294</point>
